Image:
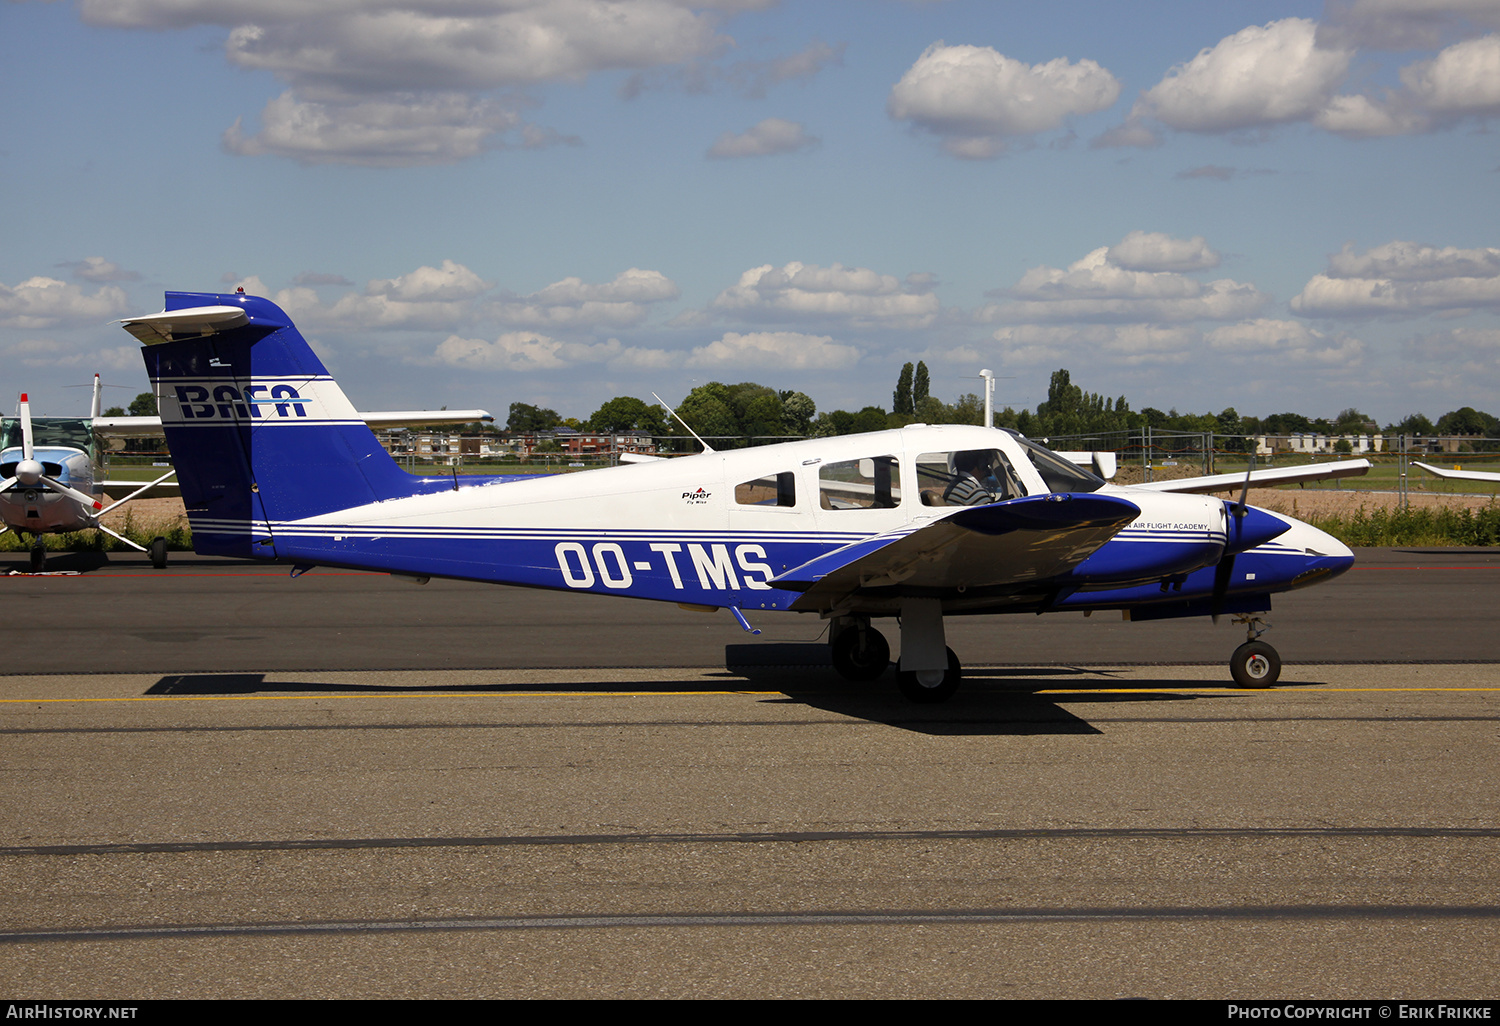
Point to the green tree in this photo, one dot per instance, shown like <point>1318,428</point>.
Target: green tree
<point>1466,421</point>
<point>903,397</point>
<point>1414,424</point>
<point>525,418</point>
<point>627,413</point>
<point>143,405</point>
<point>797,411</point>
<point>919,384</point>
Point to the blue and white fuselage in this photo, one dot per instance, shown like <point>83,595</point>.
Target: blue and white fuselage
<point>275,464</point>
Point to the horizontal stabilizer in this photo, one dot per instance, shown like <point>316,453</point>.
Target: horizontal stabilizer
<point>1015,542</point>
<point>154,329</point>
<point>1262,478</point>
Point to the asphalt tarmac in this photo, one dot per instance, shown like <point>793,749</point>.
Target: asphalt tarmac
<point>220,783</point>
<point>221,616</point>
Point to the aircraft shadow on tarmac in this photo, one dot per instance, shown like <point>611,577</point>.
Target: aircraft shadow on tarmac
<point>994,701</point>
<point>983,708</point>
<point>92,561</point>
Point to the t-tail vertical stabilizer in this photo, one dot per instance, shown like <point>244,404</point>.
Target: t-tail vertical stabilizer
<point>259,432</point>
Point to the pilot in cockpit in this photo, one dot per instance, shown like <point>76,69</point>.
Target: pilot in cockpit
<point>971,487</point>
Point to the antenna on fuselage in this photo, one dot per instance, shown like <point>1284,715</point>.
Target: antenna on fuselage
<point>706,446</point>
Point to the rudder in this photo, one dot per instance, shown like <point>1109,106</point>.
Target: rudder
<point>260,433</point>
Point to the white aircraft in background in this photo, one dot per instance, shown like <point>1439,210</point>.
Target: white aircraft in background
<point>1460,475</point>
<point>54,487</point>
<point>49,489</point>
<point>276,465</point>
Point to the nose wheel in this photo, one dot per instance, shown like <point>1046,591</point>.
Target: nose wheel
<point>38,558</point>
<point>1255,664</point>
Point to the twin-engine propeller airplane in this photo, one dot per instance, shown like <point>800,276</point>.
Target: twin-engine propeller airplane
<point>919,523</point>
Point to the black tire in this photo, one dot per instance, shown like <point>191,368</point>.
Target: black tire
<point>38,559</point>
<point>861,655</point>
<point>1255,665</point>
<point>158,552</point>
<point>915,690</point>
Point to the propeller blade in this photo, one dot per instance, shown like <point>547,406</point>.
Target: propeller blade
<point>1223,573</point>
<point>1250,469</point>
<point>8,484</point>
<point>72,493</point>
<point>26,447</point>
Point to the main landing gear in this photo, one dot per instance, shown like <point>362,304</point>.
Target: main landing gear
<point>1255,664</point>
<point>860,652</point>
<point>929,671</point>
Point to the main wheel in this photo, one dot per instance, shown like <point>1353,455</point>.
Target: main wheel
<point>861,654</point>
<point>38,559</point>
<point>158,551</point>
<point>928,687</point>
<point>1255,665</point>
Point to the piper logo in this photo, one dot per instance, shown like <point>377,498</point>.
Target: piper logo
<point>696,498</point>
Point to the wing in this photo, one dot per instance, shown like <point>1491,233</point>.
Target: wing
<point>1262,478</point>
<point>1015,542</point>
<point>1460,475</point>
<point>160,490</point>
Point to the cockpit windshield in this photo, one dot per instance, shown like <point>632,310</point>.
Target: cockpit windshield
<point>1058,474</point>
<point>74,432</point>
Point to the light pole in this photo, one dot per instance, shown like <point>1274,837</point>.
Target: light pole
<point>989,396</point>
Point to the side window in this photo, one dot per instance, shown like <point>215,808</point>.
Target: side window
<point>966,477</point>
<point>871,483</point>
<point>774,490</point>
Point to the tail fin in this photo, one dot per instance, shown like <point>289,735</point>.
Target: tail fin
<point>259,432</point>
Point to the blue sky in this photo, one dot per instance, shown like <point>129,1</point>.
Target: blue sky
<point>1270,206</point>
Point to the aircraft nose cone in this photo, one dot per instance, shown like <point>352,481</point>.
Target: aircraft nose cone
<point>28,472</point>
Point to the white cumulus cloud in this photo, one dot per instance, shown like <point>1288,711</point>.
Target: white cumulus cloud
<point>1462,79</point>
<point>1097,288</point>
<point>1158,251</point>
<point>98,270</point>
<point>1286,341</point>
<point>1403,279</point>
<point>769,137</point>
<point>976,99</point>
<point>43,302</point>
<point>1032,345</point>
<point>775,350</point>
<point>572,302</point>
<point>855,295</point>
<point>1261,75</point>
<point>1404,24</point>
<point>399,82</point>
<point>524,351</point>
<point>393,131</point>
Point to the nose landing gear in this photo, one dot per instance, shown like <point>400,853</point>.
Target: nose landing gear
<point>1255,664</point>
